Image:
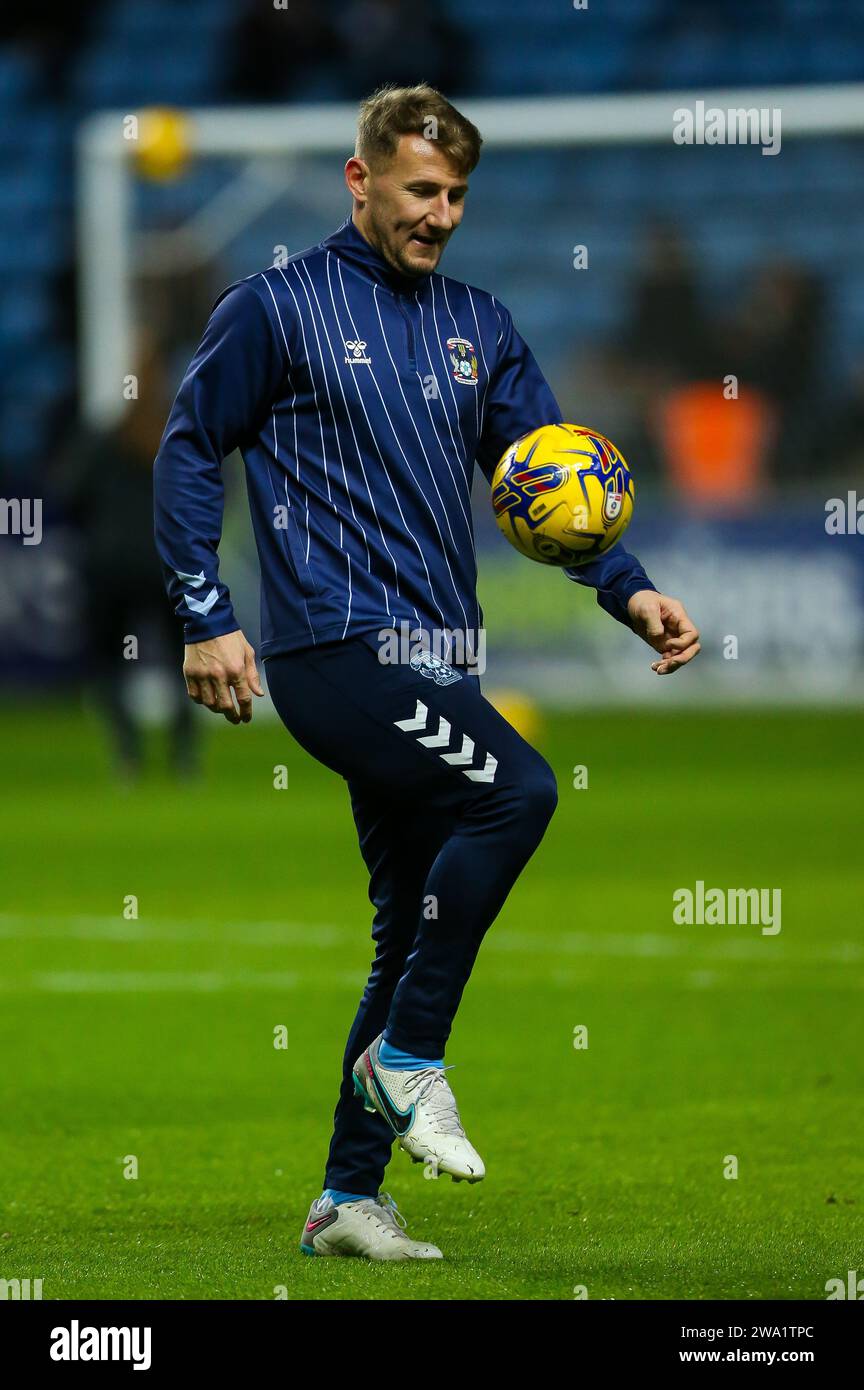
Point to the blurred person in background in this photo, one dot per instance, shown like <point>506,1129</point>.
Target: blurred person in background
<point>399,41</point>
<point>313,48</point>
<point>668,349</point>
<point>837,447</point>
<point>669,334</point>
<point>776,342</point>
<point>53,32</point>
<point>107,488</point>
<point>276,49</point>
<point>682,361</point>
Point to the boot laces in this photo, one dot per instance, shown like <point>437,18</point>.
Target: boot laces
<point>389,1213</point>
<point>433,1088</point>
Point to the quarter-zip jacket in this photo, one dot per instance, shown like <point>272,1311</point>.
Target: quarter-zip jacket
<point>360,400</point>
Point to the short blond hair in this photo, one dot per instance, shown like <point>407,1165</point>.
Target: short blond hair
<point>421,110</point>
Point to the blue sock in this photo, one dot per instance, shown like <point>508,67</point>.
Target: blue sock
<point>339,1197</point>
<point>395,1060</point>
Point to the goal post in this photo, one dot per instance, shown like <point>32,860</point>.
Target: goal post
<point>224,189</point>
<point>110,245</point>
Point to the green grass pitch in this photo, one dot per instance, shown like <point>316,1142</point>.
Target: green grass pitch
<point>154,1037</point>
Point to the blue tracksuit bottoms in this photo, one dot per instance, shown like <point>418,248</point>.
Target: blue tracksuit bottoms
<point>449,802</point>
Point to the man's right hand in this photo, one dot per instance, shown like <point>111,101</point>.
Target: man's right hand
<point>221,674</point>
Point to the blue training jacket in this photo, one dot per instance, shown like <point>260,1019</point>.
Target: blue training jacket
<point>359,400</point>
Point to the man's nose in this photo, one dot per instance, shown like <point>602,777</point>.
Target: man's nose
<point>439,214</point>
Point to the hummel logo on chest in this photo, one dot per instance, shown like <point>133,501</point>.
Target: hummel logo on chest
<point>356,353</point>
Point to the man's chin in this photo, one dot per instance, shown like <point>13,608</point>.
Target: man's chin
<point>417,262</point>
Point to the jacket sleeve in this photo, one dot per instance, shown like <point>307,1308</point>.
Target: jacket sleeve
<point>223,402</point>
<point>616,576</point>
<point>519,399</point>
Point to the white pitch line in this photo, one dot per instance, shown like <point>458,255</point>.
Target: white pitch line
<point>146,982</point>
<point>104,928</point>
<point>711,943</point>
<point>756,947</point>
<point>150,981</point>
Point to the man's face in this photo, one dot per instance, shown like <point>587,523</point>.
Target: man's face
<point>413,206</point>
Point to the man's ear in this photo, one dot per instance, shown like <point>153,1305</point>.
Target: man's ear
<point>357,178</point>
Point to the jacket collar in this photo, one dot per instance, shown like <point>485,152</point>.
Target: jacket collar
<point>352,246</point>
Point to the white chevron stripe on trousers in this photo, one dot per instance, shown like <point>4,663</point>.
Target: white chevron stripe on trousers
<point>441,739</point>
<point>484,774</point>
<point>465,754</point>
<point>418,722</point>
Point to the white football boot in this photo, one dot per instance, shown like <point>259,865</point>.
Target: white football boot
<point>371,1229</point>
<point>421,1110</point>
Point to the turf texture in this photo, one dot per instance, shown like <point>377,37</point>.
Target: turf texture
<point>609,1165</point>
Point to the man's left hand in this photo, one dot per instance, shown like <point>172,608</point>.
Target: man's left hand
<point>663,623</point>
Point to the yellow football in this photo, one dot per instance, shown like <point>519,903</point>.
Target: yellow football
<point>562,494</point>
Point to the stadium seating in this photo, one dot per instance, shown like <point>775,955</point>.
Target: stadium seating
<point>163,52</point>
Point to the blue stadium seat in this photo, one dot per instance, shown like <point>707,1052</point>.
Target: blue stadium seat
<point>20,76</point>
<point>28,244</point>
<point>152,75</point>
<point>836,56</point>
<point>735,205</point>
<point>539,66</point>
<point>27,313</point>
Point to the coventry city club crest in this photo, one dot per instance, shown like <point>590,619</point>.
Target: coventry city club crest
<point>464,360</point>
<point>428,664</point>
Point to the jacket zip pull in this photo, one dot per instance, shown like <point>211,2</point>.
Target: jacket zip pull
<point>409,328</point>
